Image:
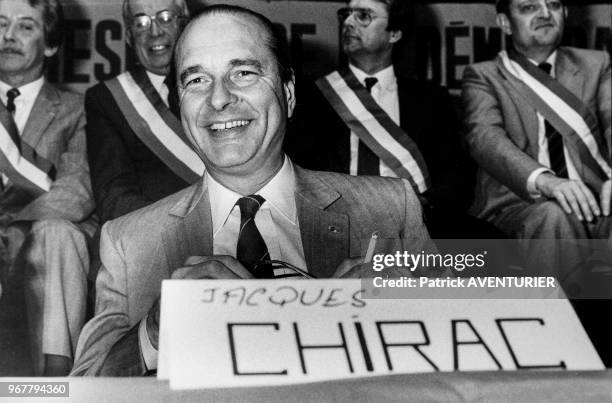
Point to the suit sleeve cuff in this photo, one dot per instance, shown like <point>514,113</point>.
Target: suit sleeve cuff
<point>149,353</point>
<point>531,182</point>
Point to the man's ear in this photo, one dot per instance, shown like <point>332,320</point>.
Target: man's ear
<point>128,37</point>
<point>504,23</point>
<point>50,51</point>
<point>289,88</point>
<point>395,36</point>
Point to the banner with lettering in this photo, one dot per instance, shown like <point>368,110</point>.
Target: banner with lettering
<point>448,36</point>
<point>229,333</point>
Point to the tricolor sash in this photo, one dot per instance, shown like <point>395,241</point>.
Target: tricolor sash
<point>19,161</point>
<point>374,127</point>
<point>567,114</point>
<point>154,123</point>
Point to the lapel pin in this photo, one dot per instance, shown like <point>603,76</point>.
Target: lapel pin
<point>334,229</point>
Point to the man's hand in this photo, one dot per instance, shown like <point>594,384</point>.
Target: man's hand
<point>198,267</point>
<point>606,197</point>
<point>221,267</point>
<point>153,324</point>
<point>354,268</point>
<point>16,233</point>
<point>573,196</point>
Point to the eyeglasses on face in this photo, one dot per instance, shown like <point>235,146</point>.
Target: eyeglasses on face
<point>164,18</point>
<point>363,16</point>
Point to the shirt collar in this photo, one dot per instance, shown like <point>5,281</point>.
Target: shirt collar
<point>386,77</point>
<point>156,80</point>
<point>27,92</point>
<point>552,60</point>
<point>278,192</point>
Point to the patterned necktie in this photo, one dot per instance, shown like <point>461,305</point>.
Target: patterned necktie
<point>555,140</point>
<point>251,247</point>
<point>367,162</point>
<point>10,99</point>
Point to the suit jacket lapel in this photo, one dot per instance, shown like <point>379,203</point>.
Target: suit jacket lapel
<point>325,234</point>
<point>43,111</point>
<point>189,228</point>
<point>568,74</point>
<point>406,106</point>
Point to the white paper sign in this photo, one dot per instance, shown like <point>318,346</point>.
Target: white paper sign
<point>270,332</point>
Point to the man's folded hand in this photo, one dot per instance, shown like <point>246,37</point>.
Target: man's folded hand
<point>572,195</point>
<point>221,267</point>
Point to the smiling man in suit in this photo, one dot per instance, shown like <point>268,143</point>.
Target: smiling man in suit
<point>45,193</point>
<point>253,204</point>
<point>538,123</point>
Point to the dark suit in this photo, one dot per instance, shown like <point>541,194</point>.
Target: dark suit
<point>319,139</point>
<point>141,249</point>
<point>126,175</point>
<point>53,258</point>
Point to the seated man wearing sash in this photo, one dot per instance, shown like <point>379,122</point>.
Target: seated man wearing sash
<point>45,193</point>
<point>136,147</point>
<point>370,119</point>
<point>537,121</point>
<point>538,124</point>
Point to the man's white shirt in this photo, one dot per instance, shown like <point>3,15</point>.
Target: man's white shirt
<point>23,104</point>
<point>276,220</point>
<point>159,85</point>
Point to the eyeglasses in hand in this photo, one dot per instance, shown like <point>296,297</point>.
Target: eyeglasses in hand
<point>279,264</point>
<point>363,16</point>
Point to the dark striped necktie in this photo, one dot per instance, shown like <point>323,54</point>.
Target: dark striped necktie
<point>251,249</point>
<point>367,162</point>
<point>555,140</point>
<point>10,99</point>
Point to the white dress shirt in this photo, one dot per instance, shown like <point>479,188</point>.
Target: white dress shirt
<point>384,93</point>
<point>23,105</point>
<point>24,102</point>
<point>543,155</point>
<point>159,85</point>
<point>276,220</point>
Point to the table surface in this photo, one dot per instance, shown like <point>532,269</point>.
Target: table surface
<point>522,386</point>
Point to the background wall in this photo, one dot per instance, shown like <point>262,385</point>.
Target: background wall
<point>448,36</point>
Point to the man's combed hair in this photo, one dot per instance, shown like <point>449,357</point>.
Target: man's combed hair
<point>53,21</point>
<point>502,6</point>
<point>274,39</point>
<point>401,15</point>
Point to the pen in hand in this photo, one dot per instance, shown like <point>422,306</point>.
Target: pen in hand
<point>371,247</point>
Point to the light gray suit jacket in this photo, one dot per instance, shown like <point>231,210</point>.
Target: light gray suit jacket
<point>501,127</point>
<point>335,213</point>
<point>56,130</point>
